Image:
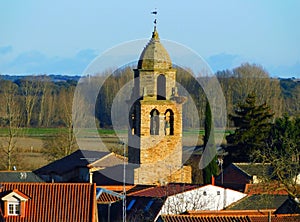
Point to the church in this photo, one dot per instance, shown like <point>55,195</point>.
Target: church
<point>155,117</point>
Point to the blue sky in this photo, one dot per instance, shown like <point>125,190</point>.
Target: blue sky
<point>62,37</point>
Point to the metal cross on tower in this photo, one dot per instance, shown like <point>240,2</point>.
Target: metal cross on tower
<point>155,18</point>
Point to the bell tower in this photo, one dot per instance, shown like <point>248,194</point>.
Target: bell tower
<point>155,134</point>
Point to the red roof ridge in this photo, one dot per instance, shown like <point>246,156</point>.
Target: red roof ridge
<point>163,191</point>
<point>20,193</point>
<point>116,187</point>
<point>140,191</point>
<point>230,212</point>
<point>272,189</point>
<point>44,183</point>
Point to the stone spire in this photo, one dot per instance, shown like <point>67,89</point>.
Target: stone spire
<point>154,55</point>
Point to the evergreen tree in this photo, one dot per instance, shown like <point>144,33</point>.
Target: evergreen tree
<point>209,143</point>
<point>282,151</point>
<point>253,124</point>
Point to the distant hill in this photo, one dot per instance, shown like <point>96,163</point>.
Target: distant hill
<point>53,77</point>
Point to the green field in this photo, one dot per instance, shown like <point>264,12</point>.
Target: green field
<point>44,132</point>
<point>29,142</point>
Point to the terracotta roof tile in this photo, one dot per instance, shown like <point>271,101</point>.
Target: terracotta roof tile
<point>117,188</point>
<point>55,202</point>
<point>237,218</point>
<point>276,218</point>
<point>107,196</point>
<point>262,188</point>
<point>163,191</point>
<point>189,218</point>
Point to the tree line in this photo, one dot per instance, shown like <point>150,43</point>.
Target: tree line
<point>40,102</point>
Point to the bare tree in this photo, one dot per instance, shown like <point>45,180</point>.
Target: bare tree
<point>44,83</point>
<point>63,143</point>
<point>12,115</point>
<point>29,97</point>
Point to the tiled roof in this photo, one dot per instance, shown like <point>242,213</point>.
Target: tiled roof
<point>257,169</point>
<point>189,218</point>
<point>262,188</point>
<point>55,202</point>
<point>80,158</point>
<point>230,212</point>
<point>236,218</point>
<point>109,160</point>
<point>259,202</point>
<point>117,188</point>
<point>107,196</point>
<point>276,218</point>
<point>19,176</point>
<point>163,191</point>
<point>129,188</point>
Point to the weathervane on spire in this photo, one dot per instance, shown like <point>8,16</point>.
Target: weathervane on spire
<point>155,19</point>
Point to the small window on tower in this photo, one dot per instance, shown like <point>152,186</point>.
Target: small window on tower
<point>161,87</point>
<point>169,122</point>
<point>154,122</point>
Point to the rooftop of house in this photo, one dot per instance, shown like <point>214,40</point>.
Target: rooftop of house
<point>164,191</point>
<point>259,202</point>
<point>237,175</point>
<point>263,188</point>
<point>105,196</point>
<point>19,176</point>
<point>54,201</point>
<point>79,158</point>
<point>109,160</point>
<point>229,218</point>
<point>129,188</point>
<point>255,169</point>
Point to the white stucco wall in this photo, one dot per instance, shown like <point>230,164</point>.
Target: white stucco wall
<point>208,197</point>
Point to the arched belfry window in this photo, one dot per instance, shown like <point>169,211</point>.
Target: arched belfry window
<point>154,122</point>
<point>169,122</point>
<point>161,87</point>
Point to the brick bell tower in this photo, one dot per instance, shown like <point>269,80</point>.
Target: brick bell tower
<point>155,117</point>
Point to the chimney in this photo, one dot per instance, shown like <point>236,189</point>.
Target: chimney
<point>91,177</point>
<point>212,180</point>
